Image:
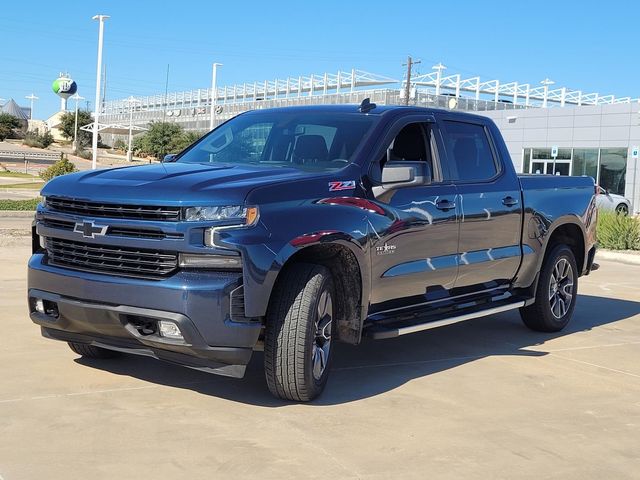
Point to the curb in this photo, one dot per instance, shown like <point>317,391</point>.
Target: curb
<point>17,213</point>
<point>628,257</point>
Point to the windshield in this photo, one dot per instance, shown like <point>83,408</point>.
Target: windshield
<point>303,140</point>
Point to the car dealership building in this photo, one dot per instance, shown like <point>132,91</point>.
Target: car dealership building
<point>589,133</point>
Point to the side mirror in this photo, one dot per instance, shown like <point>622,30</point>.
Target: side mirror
<point>169,158</point>
<point>404,174</point>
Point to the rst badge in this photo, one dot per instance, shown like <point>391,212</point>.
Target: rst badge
<point>338,186</point>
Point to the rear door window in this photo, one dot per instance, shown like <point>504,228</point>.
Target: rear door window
<point>469,152</point>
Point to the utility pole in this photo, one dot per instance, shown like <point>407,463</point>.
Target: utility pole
<point>407,88</point>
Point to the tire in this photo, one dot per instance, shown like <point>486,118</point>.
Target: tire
<point>297,350</point>
<point>622,209</point>
<point>89,351</point>
<point>554,304</point>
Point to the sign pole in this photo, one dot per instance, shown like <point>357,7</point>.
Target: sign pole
<point>634,155</point>
<point>554,155</point>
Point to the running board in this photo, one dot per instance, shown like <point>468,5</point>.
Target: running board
<point>391,332</point>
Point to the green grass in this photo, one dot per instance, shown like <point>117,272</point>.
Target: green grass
<point>16,175</point>
<point>618,232</point>
<point>30,204</point>
<point>28,186</point>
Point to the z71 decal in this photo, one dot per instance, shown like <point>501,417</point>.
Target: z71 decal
<point>346,185</point>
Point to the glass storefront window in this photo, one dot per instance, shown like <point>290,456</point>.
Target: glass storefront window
<point>613,169</point>
<point>585,162</point>
<point>526,160</point>
<point>540,153</point>
<point>562,168</point>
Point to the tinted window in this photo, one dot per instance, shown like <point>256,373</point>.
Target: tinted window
<point>469,152</point>
<point>303,140</point>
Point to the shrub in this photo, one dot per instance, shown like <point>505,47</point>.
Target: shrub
<point>61,167</point>
<point>30,204</point>
<point>34,139</point>
<point>119,144</point>
<point>618,232</point>
<point>86,154</point>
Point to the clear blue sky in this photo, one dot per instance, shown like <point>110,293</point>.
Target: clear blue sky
<point>584,45</point>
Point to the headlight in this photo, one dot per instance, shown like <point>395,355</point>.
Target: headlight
<point>43,202</point>
<point>244,215</point>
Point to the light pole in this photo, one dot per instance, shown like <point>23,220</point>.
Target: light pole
<point>96,114</point>
<point>131,101</point>
<point>31,97</point>
<point>546,82</point>
<point>214,86</point>
<point>77,98</point>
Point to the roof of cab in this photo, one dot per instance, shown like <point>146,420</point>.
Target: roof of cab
<point>354,108</point>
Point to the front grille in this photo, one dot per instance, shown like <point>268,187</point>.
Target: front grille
<point>114,231</point>
<point>114,260</point>
<point>112,210</point>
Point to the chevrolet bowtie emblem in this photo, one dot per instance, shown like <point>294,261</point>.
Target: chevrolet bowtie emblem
<point>90,229</point>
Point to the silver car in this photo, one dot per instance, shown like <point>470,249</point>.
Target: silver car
<point>606,200</point>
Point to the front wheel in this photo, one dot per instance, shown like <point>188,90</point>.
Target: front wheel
<point>556,293</point>
<point>299,327</point>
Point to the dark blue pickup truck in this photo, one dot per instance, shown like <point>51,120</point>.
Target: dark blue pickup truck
<point>290,229</point>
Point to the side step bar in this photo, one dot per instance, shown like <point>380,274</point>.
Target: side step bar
<point>396,332</point>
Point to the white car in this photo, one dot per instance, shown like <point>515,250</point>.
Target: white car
<point>610,201</point>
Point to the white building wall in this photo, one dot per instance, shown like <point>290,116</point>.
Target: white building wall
<point>601,126</point>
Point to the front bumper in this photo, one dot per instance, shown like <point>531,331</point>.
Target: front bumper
<point>107,311</point>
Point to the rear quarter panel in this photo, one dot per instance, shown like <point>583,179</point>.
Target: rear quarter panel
<point>550,202</point>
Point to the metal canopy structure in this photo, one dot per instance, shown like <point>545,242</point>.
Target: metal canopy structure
<point>115,129</point>
<point>525,94</point>
<point>290,87</point>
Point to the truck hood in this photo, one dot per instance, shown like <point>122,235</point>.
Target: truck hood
<point>171,183</point>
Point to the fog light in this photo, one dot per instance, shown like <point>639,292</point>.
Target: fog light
<point>39,305</point>
<point>169,330</point>
<point>191,260</point>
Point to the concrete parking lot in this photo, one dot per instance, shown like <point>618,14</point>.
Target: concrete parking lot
<point>483,399</point>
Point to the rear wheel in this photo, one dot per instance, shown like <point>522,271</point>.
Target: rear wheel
<point>89,351</point>
<point>556,293</point>
<point>297,351</point>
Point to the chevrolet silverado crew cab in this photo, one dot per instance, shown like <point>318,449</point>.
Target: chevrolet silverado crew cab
<point>291,229</point>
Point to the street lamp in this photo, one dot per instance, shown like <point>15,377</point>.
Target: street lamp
<point>131,101</point>
<point>31,97</point>
<point>77,98</point>
<point>214,93</point>
<point>96,114</point>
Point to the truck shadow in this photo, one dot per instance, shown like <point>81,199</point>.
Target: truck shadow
<point>375,367</point>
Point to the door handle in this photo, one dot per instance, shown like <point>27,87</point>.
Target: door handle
<point>509,201</point>
<point>445,205</point>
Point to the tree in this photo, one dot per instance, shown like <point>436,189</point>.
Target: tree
<point>161,138</point>
<point>187,139</point>
<point>7,123</point>
<point>67,126</point>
